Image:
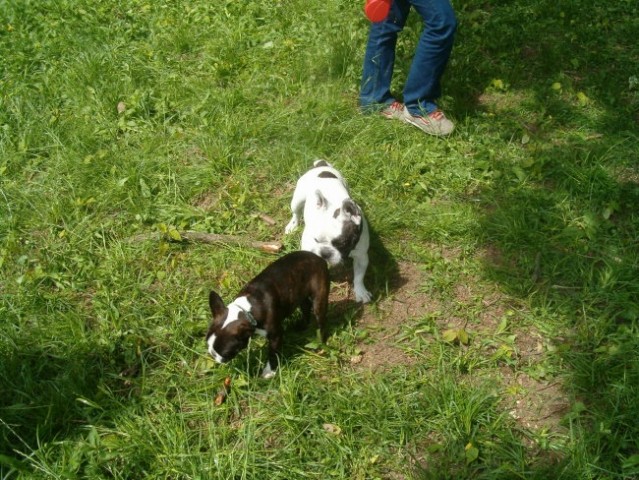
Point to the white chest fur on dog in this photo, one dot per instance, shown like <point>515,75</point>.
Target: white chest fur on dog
<point>334,225</point>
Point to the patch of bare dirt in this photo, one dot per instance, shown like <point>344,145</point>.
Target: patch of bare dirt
<point>384,321</point>
<point>536,404</point>
<point>629,175</point>
<point>207,201</point>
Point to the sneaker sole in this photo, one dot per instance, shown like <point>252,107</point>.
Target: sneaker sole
<point>427,129</point>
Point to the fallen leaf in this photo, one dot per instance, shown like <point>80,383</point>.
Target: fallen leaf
<point>222,394</point>
<point>450,335</point>
<point>174,234</point>
<point>219,398</point>
<point>462,335</point>
<point>331,428</point>
<point>356,359</point>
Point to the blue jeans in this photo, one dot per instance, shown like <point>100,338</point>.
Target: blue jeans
<point>422,87</point>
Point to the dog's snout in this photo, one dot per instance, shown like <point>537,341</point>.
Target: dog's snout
<point>326,253</point>
<point>218,358</point>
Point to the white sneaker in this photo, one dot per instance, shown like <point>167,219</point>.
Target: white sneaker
<point>393,110</point>
<point>435,123</point>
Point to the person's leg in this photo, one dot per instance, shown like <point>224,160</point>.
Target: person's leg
<point>423,87</point>
<point>379,58</point>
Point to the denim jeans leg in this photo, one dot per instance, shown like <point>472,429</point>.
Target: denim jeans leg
<point>435,44</point>
<point>379,58</point>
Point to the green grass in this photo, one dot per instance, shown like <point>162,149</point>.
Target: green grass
<point>119,118</point>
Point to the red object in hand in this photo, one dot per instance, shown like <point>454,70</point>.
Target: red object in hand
<point>377,10</point>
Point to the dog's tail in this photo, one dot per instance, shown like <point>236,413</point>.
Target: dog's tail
<point>321,163</point>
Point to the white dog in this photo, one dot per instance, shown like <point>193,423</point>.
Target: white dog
<point>335,227</point>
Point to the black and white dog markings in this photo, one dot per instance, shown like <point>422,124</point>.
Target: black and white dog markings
<point>334,225</point>
<point>298,279</point>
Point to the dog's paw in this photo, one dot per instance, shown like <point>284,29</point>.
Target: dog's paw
<point>268,372</point>
<point>362,295</point>
<point>292,225</point>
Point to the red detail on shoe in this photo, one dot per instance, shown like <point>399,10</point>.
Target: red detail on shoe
<point>393,110</point>
<point>434,123</point>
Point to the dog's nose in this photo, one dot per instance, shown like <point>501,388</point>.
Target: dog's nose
<point>326,253</point>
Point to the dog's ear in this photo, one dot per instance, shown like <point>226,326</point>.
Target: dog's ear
<point>320,200</point>
<point>216,304</point>
<point>351,210</point>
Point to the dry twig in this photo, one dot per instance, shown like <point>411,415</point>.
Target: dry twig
<point>190,236</point>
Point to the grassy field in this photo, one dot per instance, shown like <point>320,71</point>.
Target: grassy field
<point>503,341</point>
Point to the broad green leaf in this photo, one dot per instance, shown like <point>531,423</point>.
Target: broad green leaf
<point>503,325</point>
<point>472,453</point>
<point>519,172</point>
<point>174,234</point>
<point>582,99</point>
<point>631,462</point>
<point>497,84</point>
<point>450,335</point>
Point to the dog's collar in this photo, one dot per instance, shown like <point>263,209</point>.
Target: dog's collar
<point>249,317</point>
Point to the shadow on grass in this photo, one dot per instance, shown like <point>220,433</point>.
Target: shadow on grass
<point>383,272</point>
<point>382,279</point>
<point>531,46</point>
<point>52,394</point>
<point>566,240</point>
<point>563,229</point>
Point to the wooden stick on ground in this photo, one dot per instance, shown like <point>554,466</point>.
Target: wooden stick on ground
<point>190,236</point>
